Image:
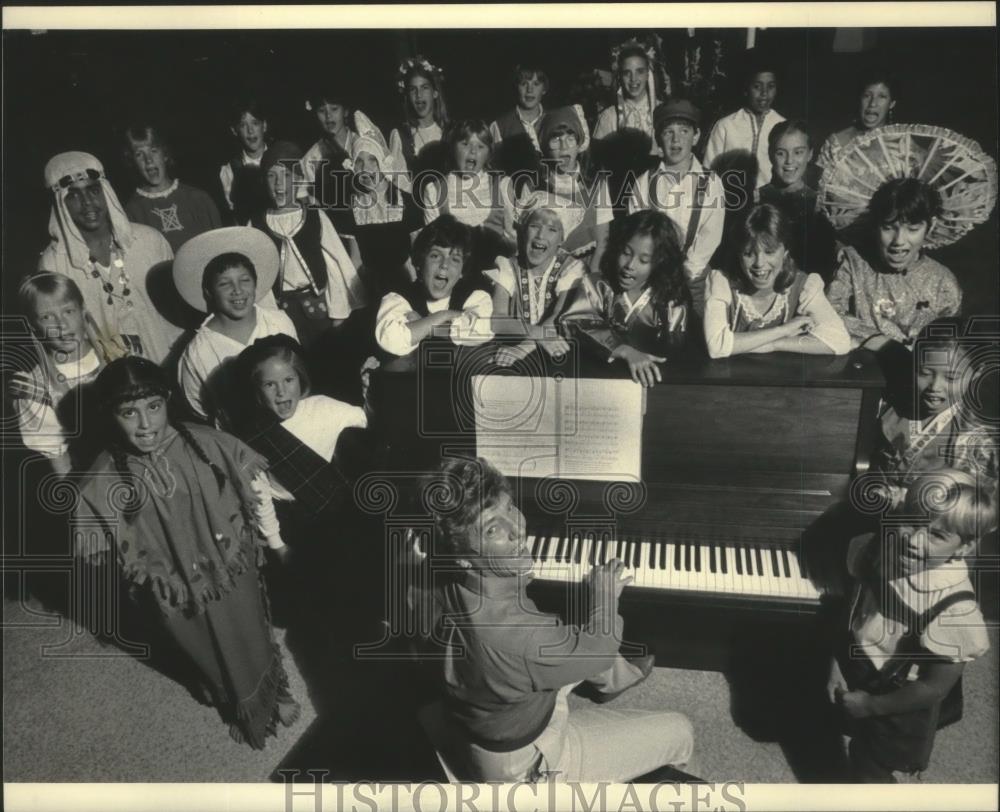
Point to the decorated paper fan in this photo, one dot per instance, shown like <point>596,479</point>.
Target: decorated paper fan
<point>964,176</point>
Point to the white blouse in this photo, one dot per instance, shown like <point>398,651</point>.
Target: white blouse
<point>504,277</point>
<point>392,324</point>
<point>317,424</point>
<point>812,302</point>
<point>469,199</point>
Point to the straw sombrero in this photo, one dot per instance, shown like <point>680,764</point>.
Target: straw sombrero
<point>196,253</point>
<point>964,176</point>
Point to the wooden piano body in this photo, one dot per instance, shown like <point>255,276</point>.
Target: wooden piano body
<point>740,456</point>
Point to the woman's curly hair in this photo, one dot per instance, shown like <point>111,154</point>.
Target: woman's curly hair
<point>457,494</point>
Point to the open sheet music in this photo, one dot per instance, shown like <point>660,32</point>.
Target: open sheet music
<point>571,428</point>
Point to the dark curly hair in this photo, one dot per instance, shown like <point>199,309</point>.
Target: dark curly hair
<point>458,493</point>
<point>666,279</point>
<point>445,232</point>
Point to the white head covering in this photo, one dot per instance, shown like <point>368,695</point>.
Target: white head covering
<point>371,140</point>
<point>61,172</point>
<point>569,213</point>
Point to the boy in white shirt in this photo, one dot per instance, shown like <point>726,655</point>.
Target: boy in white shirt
<point>688,193</point>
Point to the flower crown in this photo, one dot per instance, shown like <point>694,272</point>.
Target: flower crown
<point>413,63</point>
<point>649,47</point>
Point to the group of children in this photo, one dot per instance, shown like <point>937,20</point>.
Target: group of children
<point>347,259</point>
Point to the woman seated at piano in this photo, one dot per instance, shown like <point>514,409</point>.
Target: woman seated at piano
<point>530,290</point>
<point>763,302</point>
<point>507,669</point>
<point>640,307</point>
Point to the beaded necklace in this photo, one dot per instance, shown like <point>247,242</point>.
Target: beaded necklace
<point>97,271</point>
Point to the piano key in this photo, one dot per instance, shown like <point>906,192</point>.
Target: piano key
<point>750,568</point>
<point>778,578</point>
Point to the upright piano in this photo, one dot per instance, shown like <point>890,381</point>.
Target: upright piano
<point>740,457</point>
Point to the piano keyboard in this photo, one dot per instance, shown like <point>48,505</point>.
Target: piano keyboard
<point>704,566</point>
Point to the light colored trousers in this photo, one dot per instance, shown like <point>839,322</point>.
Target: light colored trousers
<point>592,744</point>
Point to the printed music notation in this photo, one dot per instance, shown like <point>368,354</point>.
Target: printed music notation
<point>571,428</point>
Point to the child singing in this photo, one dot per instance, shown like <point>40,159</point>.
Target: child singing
<point>441,296</point>
<point>225,273</point>
<point>943,428</point>
<point>175,209</point>
<point>297,431</point>
<point>318,285</point>
<point>481,199</point>
<point>914,623</point>
<point>48,399</point>
<point>530,291</point>
<point>243,184</point>
<point>747,130</point>
<point>184,536</point>
<point>515,133</point>
<point>425,116</point>
<point>764,303</point>
<point>639,310</point>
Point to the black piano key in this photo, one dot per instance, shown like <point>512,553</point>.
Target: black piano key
<point>711,558</point>
<point>652,553</point>
<point>567,550</point>
<point>687,557</point>
<point>578,552</point>
<point>664,564</point>
<point>786,565</point>
<point>637,554</point>
<point>748,559</point>
<point>697,558</point>
<point>535,547</point>
<point>722,560</point>
<point>627,553</point>
<point>677,556</point>
<point>774,562</point>
<point>759,560</point>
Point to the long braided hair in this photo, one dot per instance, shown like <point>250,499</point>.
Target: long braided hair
<point>133,378</point>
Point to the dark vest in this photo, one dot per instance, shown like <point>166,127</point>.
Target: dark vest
<point>416,296</point>
<point>249,193</point>
<point>309,242</point>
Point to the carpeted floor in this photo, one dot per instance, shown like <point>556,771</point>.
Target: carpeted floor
<point>89,716</point>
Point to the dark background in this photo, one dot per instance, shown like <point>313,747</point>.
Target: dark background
<point>71,90</point>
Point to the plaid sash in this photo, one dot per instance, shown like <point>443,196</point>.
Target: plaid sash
<point>315,483</point>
